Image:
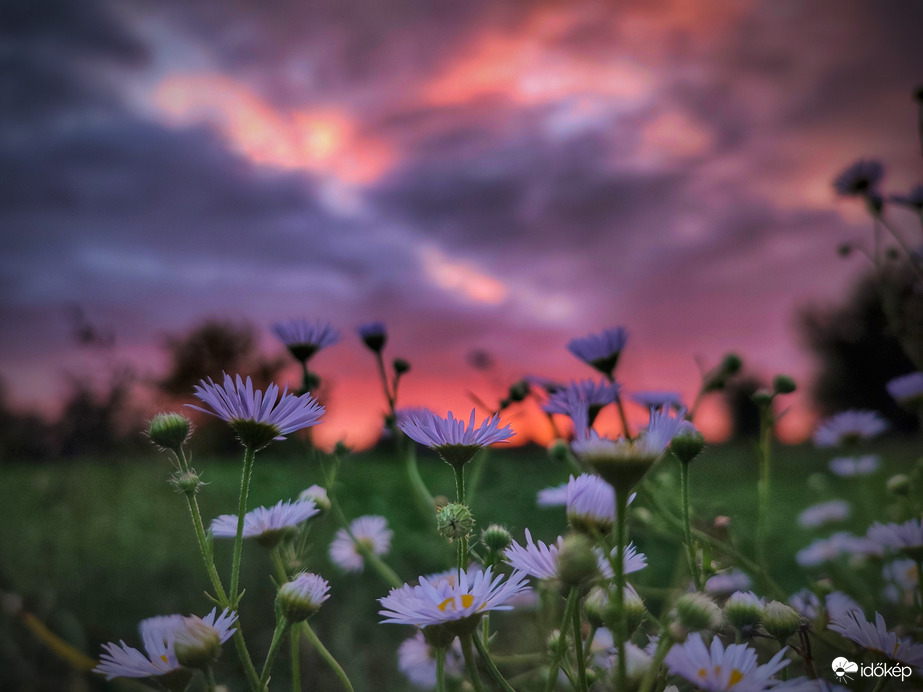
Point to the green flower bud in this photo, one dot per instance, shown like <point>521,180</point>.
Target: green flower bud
<point>697,611</point>
<point>519,391</point>
<point>635,610</point>
<point>558,450</point>
<point>577,561</point>
<point>553,640</point>
<point>401,366</point>
<point>169,431</point>
<point>496,538</point>
<point>731,363</point>
<point>783,384</point>
<point>301,597</point>
<point>688,445</point>
<point>186,482</point>
<point>595,606</point>
<point>197,644</point>
<point>454,521</point>
<point>743,610</point>
<point>780,620</point>
<point>762,398</point>
<point>899,485</point>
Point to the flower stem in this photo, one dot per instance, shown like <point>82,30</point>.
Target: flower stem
<point>210,684</point>
<point>621,528</point>
<point>385,572</point>
<point>687,526</point>
<point>762,516</point>
<point>569,609</point>
<point>623,418</point>
<point>440,669</point>
<point>326,655</point>
<point>906,248</point>
<point>578,652</point>
<point>459,484</point>
<point>663,646</point>
<point>244,655</point>
<point>282,627</point>
<point>205,547</point>
<point>296,660</point>
<point>249,455</point>
<point>491,666</point>
<point>470,664</point>
<point>384,381</point>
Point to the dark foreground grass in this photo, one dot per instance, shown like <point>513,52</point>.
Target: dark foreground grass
<point>93,548</point>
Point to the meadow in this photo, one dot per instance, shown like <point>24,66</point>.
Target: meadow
<point>94,546</point>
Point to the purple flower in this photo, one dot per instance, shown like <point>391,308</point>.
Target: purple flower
<point>855,466</point>
<point>417,660</point>
<point>590,503</point>
<point>907,390</point>
<point>715,668</point>
<point>582,401</point>
<point>658,399</point>
<point>266,524</point>
<point>257,418</point>
<point>913,199</point>
<point>540,560</point>
<point>369,533</point>
<point>877,637</point>
<point>374,335</point>
<point>600,351</point>
<point>158,635</point>
<point>454,441</point>
<point>824,513</point>
<point>728,582</point>
<point>849,427</point>
<point>440,601</point>
<point>304,338</point>
<point>859,180</point>
<point>906,537</point>
<point>830,549</point>
<point>552,497</point>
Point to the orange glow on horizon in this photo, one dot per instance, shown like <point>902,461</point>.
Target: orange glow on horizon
<point>455,277</point>
<point>323,140</point>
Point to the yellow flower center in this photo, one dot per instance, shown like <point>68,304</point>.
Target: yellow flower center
<point>736,676</point>
<point>466,599</point>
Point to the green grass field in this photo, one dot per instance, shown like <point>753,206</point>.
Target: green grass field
<point>93,548</point>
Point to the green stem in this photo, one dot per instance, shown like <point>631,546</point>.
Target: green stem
<point>423,496</point>
<point>282,627</point>
<point>621,635</point>
<point>459,484</point>
<point>687,527</point>
<point>210,684</point>
<point>569,609</point>
<point>384,381</point>
<point>385,572</point>
<point>578,652</point>
<point>623,418</point>
<point>663,646</point>
<point>205,547</point>
<point>470,664</point>
<point>296,660</point>
<point>906,248</point>
<point>327,656</point>
<point>477,470</point>
<point>440,669</point>
<point>247,472</point>
<point>491,666</point>
<point>244,655</point>
<point>762,517</point>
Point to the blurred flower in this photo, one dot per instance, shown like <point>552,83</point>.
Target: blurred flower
<point>728,582</point>
<point>373,335</point>
<point>824,513</point>
<point>658,399</point>
<point>717,668</point>
<point>855,466</point>
<point>304,338</point>
<point>370,533</point>
<point>266,524</point>
<point>849,427</point>
<point>552,497</point>
<point>600,351</point>
<point>436,602</point>
<point>903,577</point>
<point>805,602</point>
<point>159,637</point>
<point>861,179</point>
<point>913,199</point>
<point>417,660</point>
<point>455,442</point>
<point>258,418</point>
<point>907,390</point>
<point>906,537</point>
<point>830,549</point>
<point>590,503</point>
<point>541,561</point>
<point>303,596</point>
<point>839,605</point>
<point>877,638</point>
<point>744,609</point>
<point>317,495</point>
<point>583,400</point>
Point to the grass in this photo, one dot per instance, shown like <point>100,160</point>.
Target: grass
<point>95,547</point>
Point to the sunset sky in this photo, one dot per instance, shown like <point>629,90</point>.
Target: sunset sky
<point>479,175</point>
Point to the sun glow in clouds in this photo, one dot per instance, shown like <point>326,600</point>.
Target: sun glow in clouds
<point>323,140</point>
<point>462,278</point>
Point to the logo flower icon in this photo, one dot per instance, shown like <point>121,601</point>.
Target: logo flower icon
<point>842,667</point>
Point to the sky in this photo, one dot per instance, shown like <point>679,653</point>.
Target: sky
<point>479,175</point>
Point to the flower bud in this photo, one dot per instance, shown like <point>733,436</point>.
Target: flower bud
<point>518,391</point>
<point>186,482</point>
<point>577,561</point>
<point>697,611</point>
<point>496,538</point>
<point>553,640</point>
<point>688,445</point>
<point>731,363</point>
<point>783,384</point>
<point>559,450</point>
<point>899,485</point>
<point>401,366</point>
<point>197,644</point>
<point>743,610</point>
<point>635,609</point>
<point>169,431</point>
<point>762,398</point>
<point>374,335</point>
<point>844,249</point>
<point>300,598</point>
<point>780,620</point>
<point>318,495</point>
<point>594,606</point>
<point>454,521</point>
